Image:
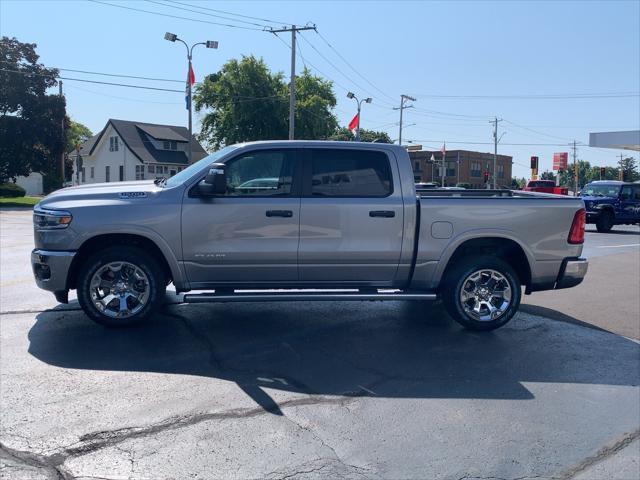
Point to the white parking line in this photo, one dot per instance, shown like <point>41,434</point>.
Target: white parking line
<point>619,246</point>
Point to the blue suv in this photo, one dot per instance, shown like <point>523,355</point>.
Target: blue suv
<point>610,203</point>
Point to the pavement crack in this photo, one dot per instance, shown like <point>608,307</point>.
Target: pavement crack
<point>92,442</point>
<point>602,454</point>
<point>51,465</point>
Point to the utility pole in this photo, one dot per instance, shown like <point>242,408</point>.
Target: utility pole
<point>620,171</point>
<point>575,170</point>
<point>63,140</point>
<point>495,149</point>
<point>292,84</point>
<point>403,99</point>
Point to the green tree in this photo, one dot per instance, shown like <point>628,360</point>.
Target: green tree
<point>30,120</point>
<point>547,175</point>
<point>244,101</point>
<point>314,101</point>
<point>629,169</point>
<point>344,134</point>
<point>77,134</point>
<point>584,175</point>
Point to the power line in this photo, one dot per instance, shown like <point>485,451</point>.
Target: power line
<point>511,144</point>
<point>535,131</point>
<point>175,16</point>
<point>353,68</point>
<point>129,99</point>
<point>96,81</point>
<point>205,13</point>
<point>332,64</point>
<point>120,75</point>
<point>235,14</point>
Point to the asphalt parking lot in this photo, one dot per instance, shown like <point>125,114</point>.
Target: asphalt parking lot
<point>323,390</point>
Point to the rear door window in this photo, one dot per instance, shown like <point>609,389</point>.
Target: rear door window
<point>350,173</point>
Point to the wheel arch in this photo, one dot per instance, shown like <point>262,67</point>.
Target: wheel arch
<point>502,247</point>
<point>101,241</point>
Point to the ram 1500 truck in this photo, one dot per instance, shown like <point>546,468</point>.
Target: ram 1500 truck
<point>304,220</point>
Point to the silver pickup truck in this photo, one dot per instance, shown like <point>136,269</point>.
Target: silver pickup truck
<point>304,220</point>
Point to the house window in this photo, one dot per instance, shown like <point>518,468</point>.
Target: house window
<point>84,178</point>
<point>416,166</point>
<point>500,171</point>
<point>170,144</point>
<point>139,172</point>
<point>121,173</point>
<point>476,169</point>
<point>93,172</point>
<point>107,173</point>
<point>151,169</point>
<point>113,144</point>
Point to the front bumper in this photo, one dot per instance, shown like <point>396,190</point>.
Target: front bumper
<point>592,217</point>
<point>51,269</point>
<point>572,272</point>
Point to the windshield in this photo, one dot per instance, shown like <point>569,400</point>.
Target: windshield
<point>542,183</point>
<point>192,169</point>
<point>600,190</point>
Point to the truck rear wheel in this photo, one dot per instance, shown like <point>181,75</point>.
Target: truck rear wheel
<point>481,293</point>
<point>604,223</point>
<point>120,286</point>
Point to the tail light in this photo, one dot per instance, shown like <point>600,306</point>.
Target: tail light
<point>576,234</point>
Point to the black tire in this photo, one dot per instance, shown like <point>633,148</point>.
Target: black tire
<point>455,279</point>
<point>135,256</point>
<point>604,223</point>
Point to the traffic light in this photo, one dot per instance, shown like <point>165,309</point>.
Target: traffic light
<point>603,172</point>
<point>486,177</point>
<point>534,163</point>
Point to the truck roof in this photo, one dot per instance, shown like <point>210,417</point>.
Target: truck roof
<point>324,143</point>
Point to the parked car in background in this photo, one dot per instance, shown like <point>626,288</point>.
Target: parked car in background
<point>545,186</point>
<point>335,221</point>
<point>610,203</point>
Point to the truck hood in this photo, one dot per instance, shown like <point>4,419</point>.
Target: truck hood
<point>99,193</point>
<point>595,198</point>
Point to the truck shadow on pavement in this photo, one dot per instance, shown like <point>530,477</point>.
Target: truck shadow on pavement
<point>613,231</point>
<point>391,349</point>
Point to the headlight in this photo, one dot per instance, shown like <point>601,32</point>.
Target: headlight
<point>51,219</point>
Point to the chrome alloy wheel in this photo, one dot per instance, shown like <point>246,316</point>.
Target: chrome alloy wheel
<point>485,295</point>
<point>119,289</point>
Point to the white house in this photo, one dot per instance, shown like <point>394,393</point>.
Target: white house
<point>126,150</point>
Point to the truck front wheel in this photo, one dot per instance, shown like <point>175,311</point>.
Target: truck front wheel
<point>120,286</point>
<point>481,293</point>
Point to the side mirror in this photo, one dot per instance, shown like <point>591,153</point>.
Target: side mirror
<point>215,183</point>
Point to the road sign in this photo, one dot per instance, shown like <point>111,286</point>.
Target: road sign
<point>560,160</point>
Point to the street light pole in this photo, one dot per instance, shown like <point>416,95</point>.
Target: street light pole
<point>359,102</point>
<point>172,37</point>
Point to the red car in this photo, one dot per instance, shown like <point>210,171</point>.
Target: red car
<point>545,186</point>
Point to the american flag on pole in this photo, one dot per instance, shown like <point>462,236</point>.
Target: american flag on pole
<point>191,79</point>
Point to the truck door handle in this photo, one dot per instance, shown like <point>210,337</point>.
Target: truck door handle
<point>382,213</point>
<point>280,213</point>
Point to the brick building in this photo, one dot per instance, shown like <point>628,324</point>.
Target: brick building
<point>462,166</point>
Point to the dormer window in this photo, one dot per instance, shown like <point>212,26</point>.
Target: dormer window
<point>170,145</point>
<point>113,144</point>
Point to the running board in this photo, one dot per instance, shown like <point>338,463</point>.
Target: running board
<point>301,296</point>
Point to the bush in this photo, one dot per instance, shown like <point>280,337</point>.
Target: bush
<point>11,190</point>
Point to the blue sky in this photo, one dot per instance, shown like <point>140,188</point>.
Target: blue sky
<point>430,50</point>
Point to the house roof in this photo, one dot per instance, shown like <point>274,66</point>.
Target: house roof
<point>136,136</point>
